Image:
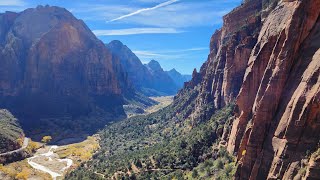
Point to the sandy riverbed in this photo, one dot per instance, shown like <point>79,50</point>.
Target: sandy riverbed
<point>47,161</point>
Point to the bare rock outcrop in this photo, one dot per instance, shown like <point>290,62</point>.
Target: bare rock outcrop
<point>313,167</point>
<point>220,77</point>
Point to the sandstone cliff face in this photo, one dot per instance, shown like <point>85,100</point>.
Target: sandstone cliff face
<point>278,117</point>
<point>137,73</point>
<point>52,65</point>
<point>266,59</point>
<point>220,77</point>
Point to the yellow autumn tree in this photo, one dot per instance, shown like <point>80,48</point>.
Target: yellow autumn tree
<point>46,139</point>
<point>20,141</point>
<point>244,152</point>
<point>32,146</point>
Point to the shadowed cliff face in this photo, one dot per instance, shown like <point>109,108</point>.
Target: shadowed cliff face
<point>149,79</point>
<point>160,79</point>
<point>137,72</point>
<point>266,59</point>
<point>178,78</point>
<point>52,65</point>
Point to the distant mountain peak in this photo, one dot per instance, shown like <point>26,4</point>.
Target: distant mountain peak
<point>173,70</point>
<point>154,65</point>
<point>178,78</point>
<point>154,62</point>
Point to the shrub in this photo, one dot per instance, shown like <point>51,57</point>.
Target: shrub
<point>195,173</point>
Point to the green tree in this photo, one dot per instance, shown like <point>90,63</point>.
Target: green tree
<point>195,173</point>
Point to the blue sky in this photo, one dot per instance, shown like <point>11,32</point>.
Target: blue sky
<point>174,32</point>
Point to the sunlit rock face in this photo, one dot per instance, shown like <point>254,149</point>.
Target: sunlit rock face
<point>278,104</point>
<point>265,58</point>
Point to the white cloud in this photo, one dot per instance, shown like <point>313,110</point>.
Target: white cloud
<point>145,10</point>
<point>177,54</point>
<point>98,8</point>
<point>186,13</point>
<point>170,51</point>
<point>131,31</point>
<point>146,53</point>
<point>11,3</point>
<point>178,14</point>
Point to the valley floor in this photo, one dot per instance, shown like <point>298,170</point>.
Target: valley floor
<point>163,101</point>
<point>53,162</point>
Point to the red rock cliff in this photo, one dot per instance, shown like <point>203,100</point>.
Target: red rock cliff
<point>266,59</point>
<point>220,77</point>
<point>278,105</point>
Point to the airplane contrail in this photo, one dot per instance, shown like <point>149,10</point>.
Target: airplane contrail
<point>145,9</point>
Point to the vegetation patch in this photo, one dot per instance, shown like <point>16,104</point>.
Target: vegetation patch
<point>79,152</point>
<point>163,101</point>
<point>21,170</point>
<point>11,134</point>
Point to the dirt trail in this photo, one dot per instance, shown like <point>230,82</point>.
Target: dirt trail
<point>25,144</point>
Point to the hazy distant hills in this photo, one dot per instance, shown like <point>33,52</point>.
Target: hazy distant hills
<point>150,79</point>
<point>161,80</point>
<point>179,78</point>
